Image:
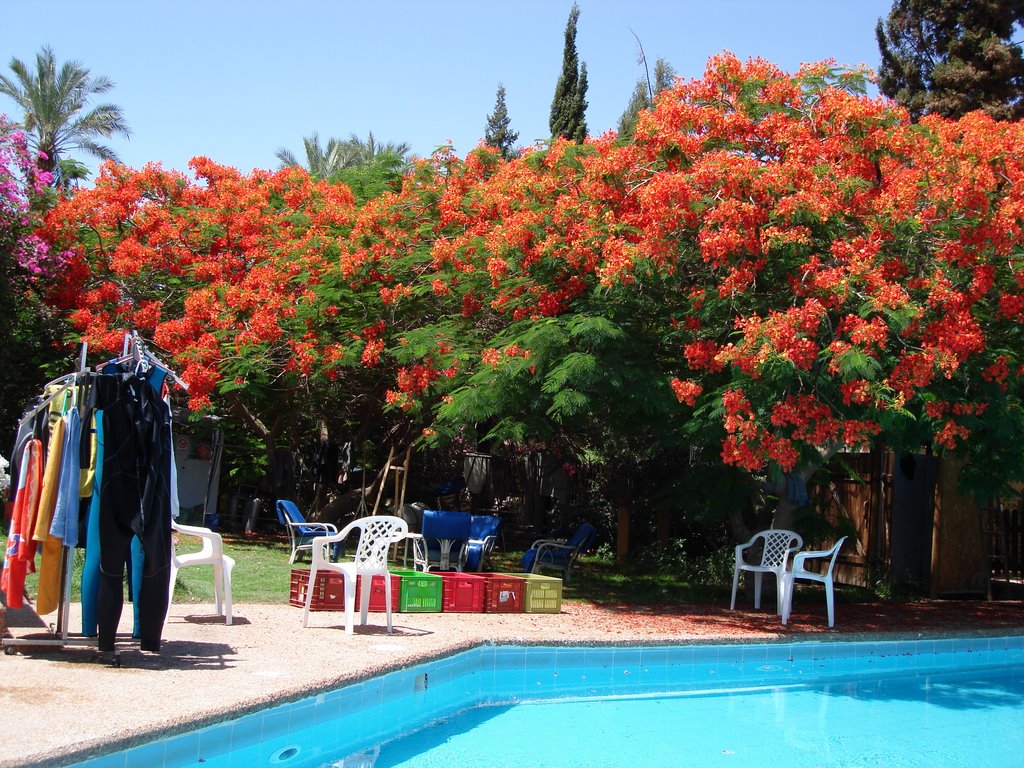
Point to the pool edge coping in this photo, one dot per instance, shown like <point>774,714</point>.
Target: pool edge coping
<point>166,729</point>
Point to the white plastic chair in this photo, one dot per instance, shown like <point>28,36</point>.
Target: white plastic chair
<point>212,553</point>
<point>800,572</point>
<point>778,545</point>
<point>376,535</point>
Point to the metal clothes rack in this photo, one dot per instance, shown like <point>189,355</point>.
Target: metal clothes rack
<point>62,636</point>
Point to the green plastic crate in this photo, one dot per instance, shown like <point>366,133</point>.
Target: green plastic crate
<point>543,594</point>
<point>419,593</point>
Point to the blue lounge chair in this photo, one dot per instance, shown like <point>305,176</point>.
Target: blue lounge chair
<point>301,532</point>
<point>559,554</point>
<point>484,531</point>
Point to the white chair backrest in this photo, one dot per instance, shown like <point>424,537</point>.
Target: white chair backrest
<point>376,535</point>
<point>778,543</point>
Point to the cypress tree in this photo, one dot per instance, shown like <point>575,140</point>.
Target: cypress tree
<point>949,57</point>
<point>497,133</point>
<point>569,106</point>
<point>644,94</point>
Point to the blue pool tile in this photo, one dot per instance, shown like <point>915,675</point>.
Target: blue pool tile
<point>214,740</point>
<point>117,760</point>
<point>181,750</point>
<point>600,658</point>
<point>146,756</point>
<point>275,723</point>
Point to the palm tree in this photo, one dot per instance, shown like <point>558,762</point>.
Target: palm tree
<point>338,155</point>
<point>321,162</point>
<point>57,116</point>
<point>367,151</point>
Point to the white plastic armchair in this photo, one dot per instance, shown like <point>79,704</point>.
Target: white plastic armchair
<point>212,553</point>
<point>825,577</point>
<point>376,535</point>
<point>778,544</point>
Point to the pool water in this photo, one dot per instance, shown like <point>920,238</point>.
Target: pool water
<point>943,702</point>
<point>937,720</point>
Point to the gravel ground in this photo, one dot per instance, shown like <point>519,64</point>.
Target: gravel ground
<point>62,704</point>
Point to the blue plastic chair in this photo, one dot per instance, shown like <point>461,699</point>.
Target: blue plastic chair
<point>559,554</point>
<point>484,531</point>
<point>301,532</point>
<point>441,540</point>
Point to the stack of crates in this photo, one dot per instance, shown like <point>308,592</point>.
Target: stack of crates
<point>411,591</point>
<point>451,592</point>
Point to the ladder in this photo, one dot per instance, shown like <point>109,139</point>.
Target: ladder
<point>401,477</point>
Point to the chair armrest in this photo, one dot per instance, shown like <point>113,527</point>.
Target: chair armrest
<point>539,542</point>
<point>331,536</point>
<point>802,557</point>
<point>194,530</point>
<point>327,528</point>
<point>553,546</point>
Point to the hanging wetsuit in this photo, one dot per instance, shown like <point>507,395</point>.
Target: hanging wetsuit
<point>134,501</point>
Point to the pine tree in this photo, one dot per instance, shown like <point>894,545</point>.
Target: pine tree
<point>497,133</point>
<point>569,106</point>
<point>644,94</point>
<point>949,57</point>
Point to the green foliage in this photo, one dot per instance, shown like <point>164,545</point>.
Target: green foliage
<point>383,173</point>
<point>569,105</point>
<point>498,132</point>
<point>368,166</point>
<point>949,57</point>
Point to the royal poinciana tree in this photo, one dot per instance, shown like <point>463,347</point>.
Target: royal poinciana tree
<point>226,275</point>
<point>776,266</point>
<point>812,271</point>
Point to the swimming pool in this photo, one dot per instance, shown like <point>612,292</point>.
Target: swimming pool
<point>807,703</point>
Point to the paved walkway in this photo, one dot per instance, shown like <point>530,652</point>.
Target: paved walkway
<point>61,705</point>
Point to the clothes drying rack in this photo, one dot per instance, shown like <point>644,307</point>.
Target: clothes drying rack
<point>60,636</point>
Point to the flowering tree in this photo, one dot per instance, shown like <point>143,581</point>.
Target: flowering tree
<point>809,269</point>
<point>775,264</point>
<point>226,275</point>
<point>27,266</point>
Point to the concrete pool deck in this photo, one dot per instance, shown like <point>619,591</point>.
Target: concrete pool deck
<point>61,705</point>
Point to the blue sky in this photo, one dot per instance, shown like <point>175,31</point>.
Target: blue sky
<point>236,80</point>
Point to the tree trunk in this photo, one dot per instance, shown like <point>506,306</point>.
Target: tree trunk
<point>622,534</point>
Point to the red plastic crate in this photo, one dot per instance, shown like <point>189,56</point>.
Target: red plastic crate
<point>328,593</point>
<point>378,602</point>
<point>504,593</point>
<point>462,592</point>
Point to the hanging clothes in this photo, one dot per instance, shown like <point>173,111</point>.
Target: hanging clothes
<point>134,501</point>
<point>65,515</point>
<point>48,594</point>
<point>20,552</point>
<point>91,566</point>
